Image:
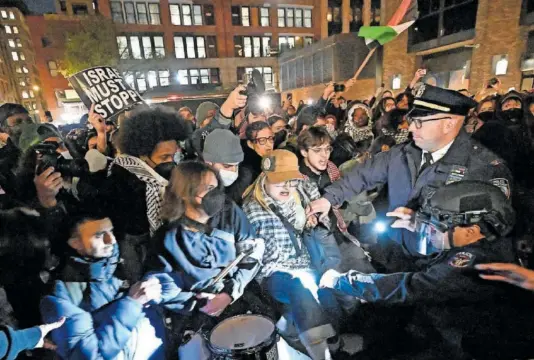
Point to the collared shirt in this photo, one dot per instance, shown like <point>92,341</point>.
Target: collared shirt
<point>436,155</point>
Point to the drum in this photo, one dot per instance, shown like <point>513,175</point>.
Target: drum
<point>244,337</point>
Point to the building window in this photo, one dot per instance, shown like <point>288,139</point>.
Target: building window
<point>15,30</point>
<point>52,67</point>
<point>209,15</point>
<point>25,95</point>
<point>375,12</point>
<point>8,29</point>
<point>197,15</point>
<point>198,76</point>
<point>130,12</point>
<point>141,81</point>
<point>79,9</point>
<point>307,18</point>
<point>241,15</point>
<point>22,82</point>
<point>265,20</point>
<point>25,70</point>
<point>11,15</point>
<point>4,14</point>
<point>298,17</point>
<point>11,43</point>
<point>176,18</point>
<point>181,14</point>
<point>116,12</point>
<point>334,16</point>
<point>63,6</point>
<point>154,14</point>
<point>152,47</point>
<point>22,56</point>
<point>356,15</point>
<point>142,14</point>
<point>152,78</point>
<point>19,43</point>
<point>192,47</point>
<point>267,73</point>
<point>15,56</point>
<point>18,69</point>
<point>45,42</point>
<point>248,46</point>
<point>281,18</point>
<point>290,42</point>
<point>164,76</point>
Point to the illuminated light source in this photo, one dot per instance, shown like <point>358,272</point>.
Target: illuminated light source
<point>36,88</point>
<point>69,117</point>
<point>265,102</point>
<point>396,83</point>
<point>380,227</point>
<point>310,101</point>
<point>148,101</point>
<point>501,67</point>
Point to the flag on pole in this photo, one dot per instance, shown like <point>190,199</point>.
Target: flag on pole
<point>403,18</point>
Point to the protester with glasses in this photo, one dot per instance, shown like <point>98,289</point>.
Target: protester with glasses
<point>275,206</point>
<point>441,152</point>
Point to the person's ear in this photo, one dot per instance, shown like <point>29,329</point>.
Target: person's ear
<point>304,153</point>
<point>76,243</point>
<point>250,144</point>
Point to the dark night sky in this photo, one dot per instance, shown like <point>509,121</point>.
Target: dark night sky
<point>40,6</point>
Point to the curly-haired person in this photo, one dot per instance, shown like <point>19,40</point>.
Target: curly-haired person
<point>148,144</point>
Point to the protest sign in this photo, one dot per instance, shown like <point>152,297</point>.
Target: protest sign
<point>104,87</point>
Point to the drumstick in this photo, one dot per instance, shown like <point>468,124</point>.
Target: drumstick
<point>230,266</point>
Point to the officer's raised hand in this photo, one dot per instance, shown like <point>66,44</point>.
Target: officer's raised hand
<point>510,273</point>
<point>405,218</point>
<point>320,206</point>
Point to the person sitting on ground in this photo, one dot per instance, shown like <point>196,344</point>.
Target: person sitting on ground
<point>138,177</point>
<point>204,232</point>
<point>104,319</point>
<point>358,124</point>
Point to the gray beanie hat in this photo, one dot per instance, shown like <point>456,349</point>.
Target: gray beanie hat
<point>222,147</point>
<point>203,109</point>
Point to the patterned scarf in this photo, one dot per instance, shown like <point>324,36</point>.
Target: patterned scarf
<point>155,186</point>
<point>358,133</point>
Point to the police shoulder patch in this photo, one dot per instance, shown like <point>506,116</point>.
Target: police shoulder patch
<point>502,184</point>
<point>462,259</point>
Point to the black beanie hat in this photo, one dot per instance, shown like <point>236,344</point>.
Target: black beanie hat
<point>9,109</point>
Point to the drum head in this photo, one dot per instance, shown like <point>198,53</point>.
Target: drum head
<point>241,332</point>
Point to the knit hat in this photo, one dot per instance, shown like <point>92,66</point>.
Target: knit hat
<point>280,166</point>
<point>9,109</point>
<point>203,109</point>
<point>33,134</point>
<point>222,147</point>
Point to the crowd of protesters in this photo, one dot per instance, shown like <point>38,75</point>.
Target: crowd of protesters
<point>113,231</point>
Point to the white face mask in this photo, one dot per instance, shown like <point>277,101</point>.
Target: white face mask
<point>66,155</point>
<point>228,177</point>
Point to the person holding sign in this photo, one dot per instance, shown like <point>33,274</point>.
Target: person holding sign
<point>148,143</point>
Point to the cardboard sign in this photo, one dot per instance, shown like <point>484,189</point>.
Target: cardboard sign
<point>104,87</point>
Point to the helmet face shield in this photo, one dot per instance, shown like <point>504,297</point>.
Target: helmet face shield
<point>433,236</point>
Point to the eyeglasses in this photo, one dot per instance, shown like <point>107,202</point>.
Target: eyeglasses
<point>263,140</point>
<point>290,183</point>
<point>419,122</point>
<point>325,150</point>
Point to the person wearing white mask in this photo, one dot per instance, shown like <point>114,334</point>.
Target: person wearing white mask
<point>222,150</point>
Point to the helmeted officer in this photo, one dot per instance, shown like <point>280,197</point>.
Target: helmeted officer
<point>441,153</point>
<point>460,225</point>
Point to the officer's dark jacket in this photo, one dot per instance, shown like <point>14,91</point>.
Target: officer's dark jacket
<point>465,160</point>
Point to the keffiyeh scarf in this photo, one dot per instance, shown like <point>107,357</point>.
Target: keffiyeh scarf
<point>155,186</point>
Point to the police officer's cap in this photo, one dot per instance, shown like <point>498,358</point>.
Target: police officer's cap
<point>431,100</point>
<point>469,203</point>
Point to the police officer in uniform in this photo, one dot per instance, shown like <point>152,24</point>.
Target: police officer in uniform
<point>441,153</point>
<point>461,225</point>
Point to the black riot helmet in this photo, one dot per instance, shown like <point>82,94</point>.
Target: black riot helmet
<point>463,203</point>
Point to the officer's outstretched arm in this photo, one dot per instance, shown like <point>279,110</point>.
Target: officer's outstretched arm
<point>367,176</point>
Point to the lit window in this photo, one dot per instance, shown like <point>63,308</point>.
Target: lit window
<point>152,79</point>
<point>22,56</point>
<point>19,43</point>
<point>281,18</point>
<point>142,15</point>
<point>129,79</point>
<point>11,15</point>
<point>190,45</point>
<point>15,56</point>
<point>197,15</point>
<point>194,76</point>
<point>11,43</point>
<point>298,17</point>
<point>15,30</point>
<point>147,47</point>
<point>116,12</point>
<point>256,41</point>
<point>159,48</point>
<point>204,76</point>
<point>308,40</point>
<point>201,47</point>
<point>501,64</point>
<point>141,81</point>
<point>164,77</point>
<point>247,44</point>
<point>245,16</point>
<point>8,29</point>
<point>25,70</point>
<point>289,17</point>
<point>182,77</point>
<point>18,69</point>
<point>396,82</point>
<point>179,49</point>
<point>52,67</point>
<point>130,12</point>
<point>25,95</point>
<point>4,14</point>
<point>136,48</point>
<point>154,14</point>
<point>22,82</point>
<point>31,94</point>
<point>175,14</point>
<point>264,17</point>
<point>186,11</point>
<point>308,18</point>
<point>122,44</point>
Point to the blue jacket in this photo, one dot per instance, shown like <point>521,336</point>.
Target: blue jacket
<point>193,259</point>
<point>102,321</point>
<point>465,160</point>
<point>14,341</point>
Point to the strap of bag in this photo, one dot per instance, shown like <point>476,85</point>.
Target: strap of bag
<point>290,229</point>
